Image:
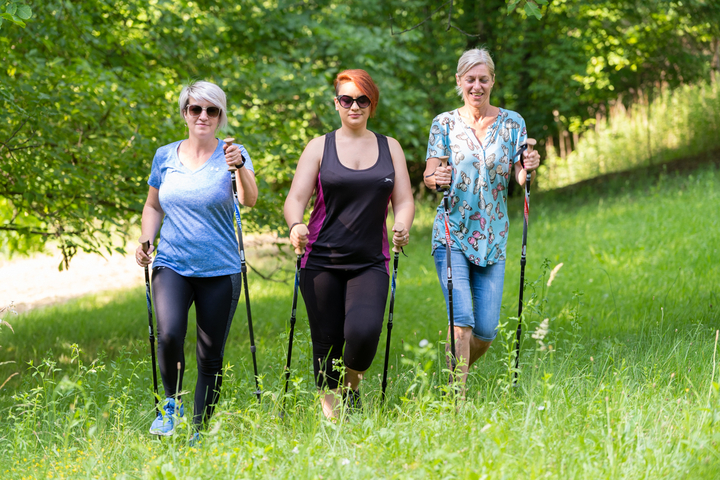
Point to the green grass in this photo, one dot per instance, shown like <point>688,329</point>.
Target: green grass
<point>623,390</point>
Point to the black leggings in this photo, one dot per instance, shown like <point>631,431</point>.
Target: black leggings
<point>215,301</point>
<point>344,308</point>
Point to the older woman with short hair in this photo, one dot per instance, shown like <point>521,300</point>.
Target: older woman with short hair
<point>197,258</point>
<point>481,140</point>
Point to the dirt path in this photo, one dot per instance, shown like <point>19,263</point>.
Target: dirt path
<point>35,282</point>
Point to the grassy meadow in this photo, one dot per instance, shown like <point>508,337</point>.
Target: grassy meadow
<point>624,384</point>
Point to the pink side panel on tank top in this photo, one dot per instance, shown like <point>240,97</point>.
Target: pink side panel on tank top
<point>317,218</point>
<point>386,244</point>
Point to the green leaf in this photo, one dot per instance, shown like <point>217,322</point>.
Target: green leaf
<point>11,9</point>
<point>24,12</point>
<point>18,21</point>
<point>532,10</point>
<point>512,4</point>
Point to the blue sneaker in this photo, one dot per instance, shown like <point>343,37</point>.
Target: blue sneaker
<point>170,416</point>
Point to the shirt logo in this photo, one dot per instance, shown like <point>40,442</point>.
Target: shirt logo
<point>389,180</point>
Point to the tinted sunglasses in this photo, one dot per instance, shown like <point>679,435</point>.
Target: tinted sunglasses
<point>196,111</point>
<point>346,101</point>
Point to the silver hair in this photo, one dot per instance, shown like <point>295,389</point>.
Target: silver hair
<point>208,92</point>
<point>471,59</point>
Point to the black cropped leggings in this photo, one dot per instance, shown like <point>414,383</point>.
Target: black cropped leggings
<point>215,301</point>
<point>344,308</point>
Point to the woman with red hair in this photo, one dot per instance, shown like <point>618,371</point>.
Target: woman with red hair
<point>344,279</point>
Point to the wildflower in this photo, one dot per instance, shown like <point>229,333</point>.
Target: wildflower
<point>345,461</point>
<point>296,450</point>
<point>423,343</point>
<point>542,330</point>
<point>553,273</point>
<point>540,333</point>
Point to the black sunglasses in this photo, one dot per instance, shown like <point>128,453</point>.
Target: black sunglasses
<point>196,111</point>
<point>346,101</point>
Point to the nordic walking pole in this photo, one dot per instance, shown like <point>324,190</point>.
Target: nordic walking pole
<point>299,252</point>
<point>397,251</point>
<point>524,177</point>
<point>448,243</point>
<point>145,242</point>
<point>444,160</point>
<point>243,268</point>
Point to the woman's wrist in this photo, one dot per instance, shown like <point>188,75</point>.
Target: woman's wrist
<point>430,181</point>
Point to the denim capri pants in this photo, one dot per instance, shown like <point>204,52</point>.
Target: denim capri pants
<point>477,292</point>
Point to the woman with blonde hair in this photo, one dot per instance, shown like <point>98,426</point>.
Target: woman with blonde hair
<point>482,141</point>
<point>197,259</point>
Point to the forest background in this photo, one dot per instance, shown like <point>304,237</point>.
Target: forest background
<point>89,88</point>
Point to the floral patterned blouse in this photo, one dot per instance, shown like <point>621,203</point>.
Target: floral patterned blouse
<point>478,201</point>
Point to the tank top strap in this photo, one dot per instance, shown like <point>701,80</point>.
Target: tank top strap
<point>330,158</point>
<point>384,155</point>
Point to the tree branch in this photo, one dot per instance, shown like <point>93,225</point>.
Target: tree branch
<point>449,21</point>
<point>11,228</point>
<point>419,24</point>
<point>269,276</point>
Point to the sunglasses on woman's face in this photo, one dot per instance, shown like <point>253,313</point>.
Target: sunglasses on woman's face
<point>346,101</point>
<point>196,111</point>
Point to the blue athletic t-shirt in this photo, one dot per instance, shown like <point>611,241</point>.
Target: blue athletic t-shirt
<point>197,238</point>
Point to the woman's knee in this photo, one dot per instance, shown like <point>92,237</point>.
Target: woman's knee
<point>210,366</point>
<point>485,333</point>
<point>171,340</point>
<point>363,335</point>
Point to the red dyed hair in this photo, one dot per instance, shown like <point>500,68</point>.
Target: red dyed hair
<point>364,82</point>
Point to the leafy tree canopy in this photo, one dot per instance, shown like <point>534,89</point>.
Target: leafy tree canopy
<point>89,88</point>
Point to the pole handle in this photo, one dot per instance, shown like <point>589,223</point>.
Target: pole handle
<point>145,242</point>
<point>302,232</point>
<point>400,227</point>
<point>229,141</point>
<point>522,176</point>
<point>444,163</point>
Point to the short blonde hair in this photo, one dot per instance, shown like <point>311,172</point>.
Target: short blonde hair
<point>471,59</point>
<point>208,92</point>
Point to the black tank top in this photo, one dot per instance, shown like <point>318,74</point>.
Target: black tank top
<point>348,223</point>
